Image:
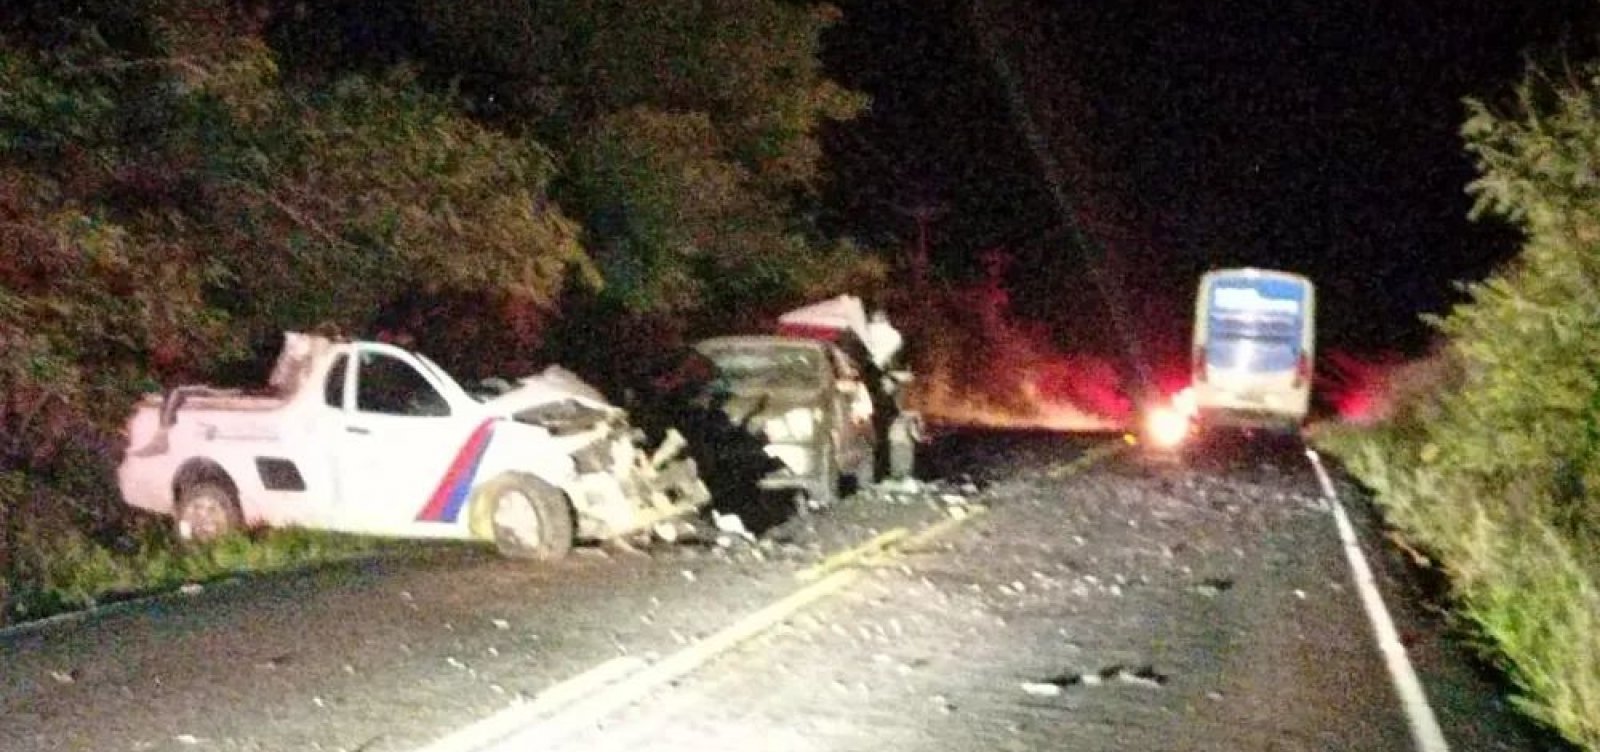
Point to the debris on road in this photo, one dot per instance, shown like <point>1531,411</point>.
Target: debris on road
<point>1213,586</point>
<point>1042,689</point>
<point>1144,676</point>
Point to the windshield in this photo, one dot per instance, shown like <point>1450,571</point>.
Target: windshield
<point>440,375</point>
<point>1254,354</point>
<point>1263,336</point>
<point>742,368</point>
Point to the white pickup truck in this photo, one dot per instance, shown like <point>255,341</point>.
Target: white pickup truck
<point>370,438</point>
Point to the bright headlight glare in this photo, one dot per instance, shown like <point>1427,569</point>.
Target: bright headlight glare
<point>798,424</point>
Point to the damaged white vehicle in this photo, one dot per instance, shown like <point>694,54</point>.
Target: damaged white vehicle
<point>370,438</point>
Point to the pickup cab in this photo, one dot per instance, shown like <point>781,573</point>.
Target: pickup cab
<point>371,438</point>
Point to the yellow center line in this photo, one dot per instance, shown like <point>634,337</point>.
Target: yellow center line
<point>897,542</point>
<point>585,700</point>
<point>849,556</point>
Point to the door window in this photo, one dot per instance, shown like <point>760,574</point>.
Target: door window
<point>333,389</point>
<point>390,386</point>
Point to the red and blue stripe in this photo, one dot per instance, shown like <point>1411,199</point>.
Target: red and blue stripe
<point>451,495</point>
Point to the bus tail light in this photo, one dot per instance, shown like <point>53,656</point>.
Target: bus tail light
<point>1302,370</point>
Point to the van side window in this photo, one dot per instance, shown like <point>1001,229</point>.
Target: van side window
<point>333,390</point>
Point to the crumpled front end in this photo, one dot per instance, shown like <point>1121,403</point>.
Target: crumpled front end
<point>622,486</point>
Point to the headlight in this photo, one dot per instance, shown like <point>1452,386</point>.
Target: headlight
<point>798,425</point>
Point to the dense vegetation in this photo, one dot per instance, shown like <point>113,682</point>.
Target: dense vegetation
<point>1494,472</point>
<point>182,180</point>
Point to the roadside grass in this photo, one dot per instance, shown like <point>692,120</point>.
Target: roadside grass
<point>1525,582</point>
<point>70,571</point>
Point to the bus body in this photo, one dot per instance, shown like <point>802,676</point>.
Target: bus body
<point>1254,348</point>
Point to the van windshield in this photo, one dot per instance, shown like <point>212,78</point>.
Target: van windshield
<point>744,368</point>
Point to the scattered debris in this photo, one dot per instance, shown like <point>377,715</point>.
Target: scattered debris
<point>1145,676</point>
<point>731,524</point>
<point>1042,689</point>
<point>1211,587</point>
<point>192,588</point>
<point>900,486</point>
<point>667,531</point>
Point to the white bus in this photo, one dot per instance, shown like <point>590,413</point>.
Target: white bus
<point>1254,348</point>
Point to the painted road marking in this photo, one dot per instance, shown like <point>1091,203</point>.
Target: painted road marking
<point>609,699</point>
<point>507,722</point>
<point>934,531</point>
<point>587,699</point>
<point>1092,456</point>
<point>890,545</point>
<point>850,556</point>
<point>1425,729</point>
<point>584,700</point>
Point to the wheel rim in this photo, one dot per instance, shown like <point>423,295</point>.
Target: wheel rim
<point>205,518</point>
<point>515,515</point>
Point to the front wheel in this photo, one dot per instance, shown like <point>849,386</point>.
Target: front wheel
<point>866,472</point>
<point>824,491</point>
<point>529,519</point>
<point>904,434</point>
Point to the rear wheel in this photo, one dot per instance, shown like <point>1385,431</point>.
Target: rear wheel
<point>529,519</point>
<point>206,510</point>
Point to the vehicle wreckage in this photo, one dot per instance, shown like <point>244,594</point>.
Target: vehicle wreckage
<point>370,438</point>
<point>825,394</point>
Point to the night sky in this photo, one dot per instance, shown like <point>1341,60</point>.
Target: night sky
<point>1315,136</point>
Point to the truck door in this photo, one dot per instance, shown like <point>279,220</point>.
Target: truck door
<point>399,443</point>
<point>854,408</point>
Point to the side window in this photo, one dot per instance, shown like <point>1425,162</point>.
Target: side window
<point>392,387</point>
<point>333,390</point>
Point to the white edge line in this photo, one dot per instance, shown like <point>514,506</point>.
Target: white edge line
<point>1425,729</point>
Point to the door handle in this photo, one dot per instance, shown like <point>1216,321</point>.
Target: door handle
<point>358,429</point>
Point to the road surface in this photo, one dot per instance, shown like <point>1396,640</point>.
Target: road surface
<point>1027,601</point>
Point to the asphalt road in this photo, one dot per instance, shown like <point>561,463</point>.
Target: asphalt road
<point>1115,605</point>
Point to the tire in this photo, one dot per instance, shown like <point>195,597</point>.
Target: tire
<point>529,519</point>
<point>903,435</point>
<point>206,510</point>
<point>824,491</point>
<point>866,472</point>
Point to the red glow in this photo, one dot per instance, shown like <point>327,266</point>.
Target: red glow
<point>1361,390</point>
<point>1088,383</point>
